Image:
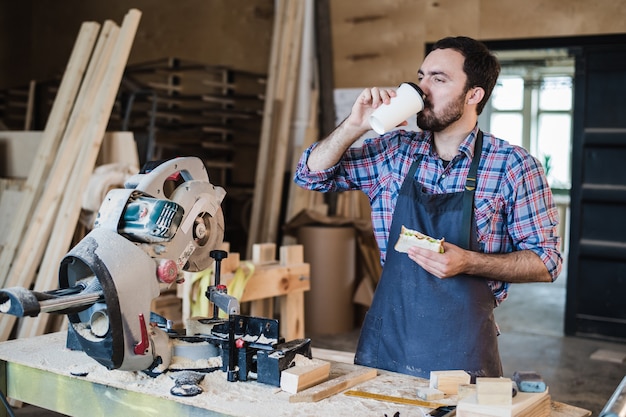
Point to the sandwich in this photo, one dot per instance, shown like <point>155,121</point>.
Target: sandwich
<point>409,238</point>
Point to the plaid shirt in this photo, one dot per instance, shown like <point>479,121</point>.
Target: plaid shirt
<point>514,208</point>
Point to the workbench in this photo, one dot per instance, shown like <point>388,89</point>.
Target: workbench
<point>40,371</point>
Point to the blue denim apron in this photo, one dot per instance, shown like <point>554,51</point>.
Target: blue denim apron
<point>417,322</point>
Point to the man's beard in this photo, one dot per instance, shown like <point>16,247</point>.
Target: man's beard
<point>428,120</point>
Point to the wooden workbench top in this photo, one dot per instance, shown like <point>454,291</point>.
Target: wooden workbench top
<point>40,370</point>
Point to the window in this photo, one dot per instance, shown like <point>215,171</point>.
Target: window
<point>531,106</point>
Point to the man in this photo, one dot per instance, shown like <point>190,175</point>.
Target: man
<point>434,311</point>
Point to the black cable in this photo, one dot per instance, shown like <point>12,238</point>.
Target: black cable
<point>7,405</point>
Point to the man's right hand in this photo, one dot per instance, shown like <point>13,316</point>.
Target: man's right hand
<point>330,150</point>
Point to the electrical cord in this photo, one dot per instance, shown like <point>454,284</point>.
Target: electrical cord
<point>6,404</point>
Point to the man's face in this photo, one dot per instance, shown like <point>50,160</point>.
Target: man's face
<point>442,79</point>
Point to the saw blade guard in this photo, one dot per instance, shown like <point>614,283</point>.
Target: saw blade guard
<point>110,330</point>
<point>172,212</point>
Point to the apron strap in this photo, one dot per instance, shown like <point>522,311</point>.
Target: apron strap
<point>470,189</point>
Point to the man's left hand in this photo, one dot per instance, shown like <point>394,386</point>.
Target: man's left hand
<point>450,263</point>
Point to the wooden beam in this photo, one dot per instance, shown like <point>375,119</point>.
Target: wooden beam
<point>269,115</point>
<point>37,233</point>
<point>334,386</point>
<point>69,210</point>
<point>53,132</point>
<point>273,202</point>
<point>270,281</point>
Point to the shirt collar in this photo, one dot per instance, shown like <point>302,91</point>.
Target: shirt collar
<point>466,147</point>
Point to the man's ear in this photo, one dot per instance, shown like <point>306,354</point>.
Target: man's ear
<point>475,95</point>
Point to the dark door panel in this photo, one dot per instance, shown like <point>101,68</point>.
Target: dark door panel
<point>596,282</point>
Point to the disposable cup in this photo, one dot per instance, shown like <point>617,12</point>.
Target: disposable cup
<point>409,100</point>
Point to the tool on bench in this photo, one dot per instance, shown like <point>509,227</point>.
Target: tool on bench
<point>529,381</point>
<point>166,220</point>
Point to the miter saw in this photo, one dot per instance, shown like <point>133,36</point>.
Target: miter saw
<point>166,220</point>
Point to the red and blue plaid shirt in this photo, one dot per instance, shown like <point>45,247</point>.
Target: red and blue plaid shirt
<point>514,208</point>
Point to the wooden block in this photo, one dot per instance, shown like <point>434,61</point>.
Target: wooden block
<point>334,386</point>
<point>291,254</point>
<point>170,307</point>
<point>263,253</point>
<point>305,374</point>
<point>448,381</point>
<point>429,394</point>
<point>494,391</point>
<point>466,390</point>
<point>523,405</point>
<point>231,263</point>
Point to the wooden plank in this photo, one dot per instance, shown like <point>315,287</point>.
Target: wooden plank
<point>33,242</point>
<point>9,199</point>
<point>334,386</point>
<point>305,374</point>
<point>269,116</point>
<point>55,126</point>
<point>300,199</point>
<point>28,121</point>
<point>292,315</point>
<point>273,281</point>
<point>272,205</point>
<point>69,211</point>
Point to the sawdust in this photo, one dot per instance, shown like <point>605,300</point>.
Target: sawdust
<point>241,398</point>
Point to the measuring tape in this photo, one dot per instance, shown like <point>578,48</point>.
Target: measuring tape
<point>389,398</point>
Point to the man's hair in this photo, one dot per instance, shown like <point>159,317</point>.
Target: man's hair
<point>481,66</point>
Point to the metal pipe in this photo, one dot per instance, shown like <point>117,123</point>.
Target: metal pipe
<point>70,301</point>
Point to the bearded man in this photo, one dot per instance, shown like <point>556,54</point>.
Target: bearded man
<point>488,199</point>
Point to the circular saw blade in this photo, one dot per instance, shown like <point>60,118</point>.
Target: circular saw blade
<point>208,235</point>
<point>203,223</point>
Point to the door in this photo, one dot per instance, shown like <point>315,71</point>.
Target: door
<point>596,269</point>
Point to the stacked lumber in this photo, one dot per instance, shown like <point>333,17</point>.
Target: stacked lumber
<point>43,227</point>
<point>280,99</point>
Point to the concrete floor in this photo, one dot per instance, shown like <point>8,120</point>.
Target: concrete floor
<point>531,321</point>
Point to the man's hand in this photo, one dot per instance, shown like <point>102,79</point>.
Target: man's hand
<point>330,150</point>
<point>442,265</point>
<point>517,266</point>
<point>365,104</point>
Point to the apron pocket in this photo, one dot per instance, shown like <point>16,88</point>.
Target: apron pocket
<point>369,340</point>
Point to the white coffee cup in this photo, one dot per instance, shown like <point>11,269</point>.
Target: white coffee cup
<point>409,100</point>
